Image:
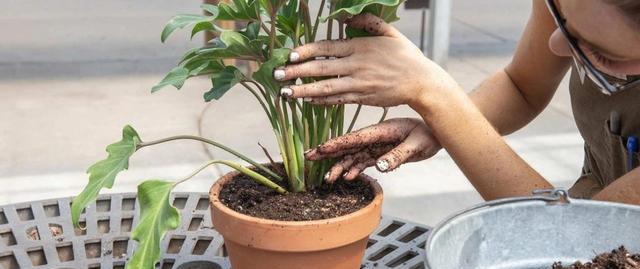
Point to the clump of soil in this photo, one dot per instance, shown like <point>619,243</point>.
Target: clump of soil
<point>616,259</point>
<point>245,196</point>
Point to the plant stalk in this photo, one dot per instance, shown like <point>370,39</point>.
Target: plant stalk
<point>317,22</point>
<point>215,144</point>
<point>384,114</point>
<point>355,117</point>
<point>250,173</point>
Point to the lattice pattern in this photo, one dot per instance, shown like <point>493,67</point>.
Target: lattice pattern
<point>40,235</point>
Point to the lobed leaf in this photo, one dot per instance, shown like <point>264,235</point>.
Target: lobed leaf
<point>202,26</point>
<point>176,78</point>
<point>264,75</point>
<point>103,173</point>
<point>239,10</point>
<point>238,45</point>
<point>252,30</point>
<point>287,19</point>
<point>157,216</point>
<point>225,80</point>
<point>184,20</point>
<point>387,13</point>
<point>385,9</point>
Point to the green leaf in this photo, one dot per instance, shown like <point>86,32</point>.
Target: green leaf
<point>157,216</point>
<point>287,19</point>
<point>211,9</point>
<point>238,44</point>
<point>239,10</point>
<point>181,21</point>
<point>263,41</point>
<point>176,77</point>
<point>264,75</point>
<point>103,173</point>
<point>290,9</point>
<point>385,9</point>
<point>229,45</point>
<point>202,26</point>
<point>189,54</point>
<point>387,13</point>
<point>354,32</point>
<point>229,77</point>
<point>252,30</point>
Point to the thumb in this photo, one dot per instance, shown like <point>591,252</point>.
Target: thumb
<point>373,24</point>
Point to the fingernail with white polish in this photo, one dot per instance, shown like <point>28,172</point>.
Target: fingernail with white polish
<point>308,151</point>
<point>326,176</point>
<point>382,165</point>
<point>307,99</point>
<point>294,56</point>
<point>345,174</point>
<point>279,74</point>
<point>286,92</point>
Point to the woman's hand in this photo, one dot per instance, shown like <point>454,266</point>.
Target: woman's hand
<point>384,70</point>
<point>386,145</point>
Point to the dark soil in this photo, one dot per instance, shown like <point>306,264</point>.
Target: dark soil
<point>616,259</point>
<point>328,201</point>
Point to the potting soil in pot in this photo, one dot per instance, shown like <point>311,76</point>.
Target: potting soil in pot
<point>616,259</point>
<point>328,201</point>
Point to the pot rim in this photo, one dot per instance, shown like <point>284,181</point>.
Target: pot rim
<point>215,201</point>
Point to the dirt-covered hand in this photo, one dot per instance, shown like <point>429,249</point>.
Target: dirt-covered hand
<point>386,145</point>
<point>383,70</point>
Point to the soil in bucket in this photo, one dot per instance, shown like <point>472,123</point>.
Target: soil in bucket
<point>245,196</point>
<point>618,258</point>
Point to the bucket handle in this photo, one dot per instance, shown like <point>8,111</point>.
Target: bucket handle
<point>551,196</point>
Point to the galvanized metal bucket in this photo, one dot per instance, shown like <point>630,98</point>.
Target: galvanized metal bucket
<point>532,233</point>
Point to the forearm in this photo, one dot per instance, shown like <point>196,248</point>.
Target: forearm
<point>624,190</point>
<point>491,166</point>
<point>503,104</point>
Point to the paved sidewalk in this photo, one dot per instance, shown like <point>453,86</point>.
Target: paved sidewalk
<point>72,74</point>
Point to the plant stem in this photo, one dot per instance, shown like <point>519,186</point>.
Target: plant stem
<point>264,27</point>
<point>304,7</point>
<point>213,143</point>
<point>272,34</point>
<point>327,124</point>
<point>317,22</point>
<point>250,173</point>
<point>264,107</point>
<point>355,117</point>
<point>340,118</point>
<point>266,153</point>
<point>288,153</point>
<point>330,27</point>
<point>384,115</point>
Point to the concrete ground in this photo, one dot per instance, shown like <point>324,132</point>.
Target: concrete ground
<point>72,73</point>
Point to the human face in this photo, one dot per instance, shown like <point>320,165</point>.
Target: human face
<point>600,38</point>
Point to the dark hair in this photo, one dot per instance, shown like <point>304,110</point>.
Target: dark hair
<point>631,8</point>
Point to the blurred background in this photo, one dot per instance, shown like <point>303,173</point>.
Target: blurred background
<point>73,73</point>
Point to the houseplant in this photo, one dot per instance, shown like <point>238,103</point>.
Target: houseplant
<point>270,29</point>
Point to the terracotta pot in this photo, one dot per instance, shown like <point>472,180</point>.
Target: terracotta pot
<point>256,243</point>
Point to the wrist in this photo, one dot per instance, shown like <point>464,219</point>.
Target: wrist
<point>437,94</point>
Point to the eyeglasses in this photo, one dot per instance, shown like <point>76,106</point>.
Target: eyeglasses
<point>582,63</point>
